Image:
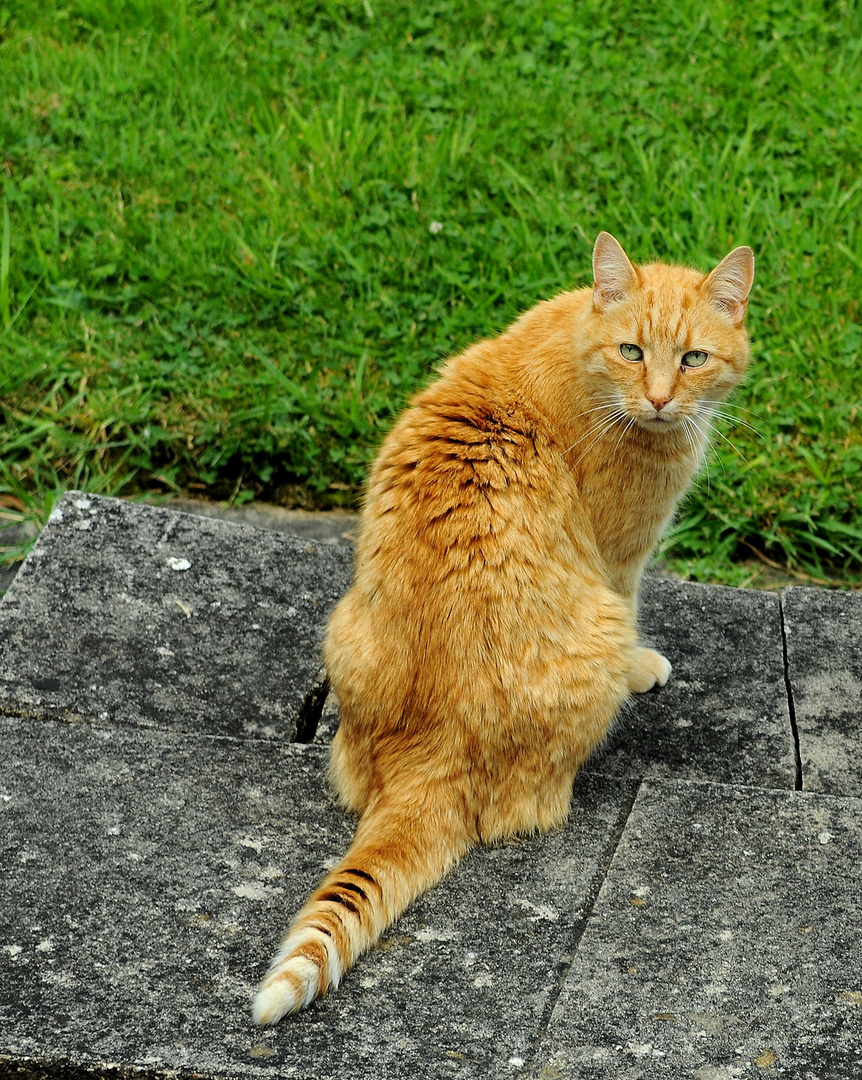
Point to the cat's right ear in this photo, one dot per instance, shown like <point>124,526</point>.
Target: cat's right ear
<point>613,273</point>
<point>730,283</point>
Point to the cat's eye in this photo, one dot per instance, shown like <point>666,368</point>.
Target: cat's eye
<point>631,352</point>
<point>695,358</point>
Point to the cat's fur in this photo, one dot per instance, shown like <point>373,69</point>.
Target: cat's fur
<point>489,638</point>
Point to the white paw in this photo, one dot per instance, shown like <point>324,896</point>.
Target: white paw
<point>650,669</point>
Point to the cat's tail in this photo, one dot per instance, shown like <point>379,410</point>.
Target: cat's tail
<point>399,852</point>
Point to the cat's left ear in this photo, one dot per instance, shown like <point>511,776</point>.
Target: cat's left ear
<point>730,283</point>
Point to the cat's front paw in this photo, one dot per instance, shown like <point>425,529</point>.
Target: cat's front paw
<point>650,669</point>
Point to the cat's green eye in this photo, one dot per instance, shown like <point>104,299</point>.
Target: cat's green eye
<point>631,352</point>
<point>695,358</point>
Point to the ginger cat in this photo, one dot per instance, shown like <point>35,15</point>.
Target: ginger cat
<point>489,638</point>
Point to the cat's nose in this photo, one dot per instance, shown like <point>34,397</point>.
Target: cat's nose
<point>658,403</point>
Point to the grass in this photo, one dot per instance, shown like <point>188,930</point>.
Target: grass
<point>221,268</point>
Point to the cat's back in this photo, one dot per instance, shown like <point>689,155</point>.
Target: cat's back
<point>467,467</point>
<point>474,460</point>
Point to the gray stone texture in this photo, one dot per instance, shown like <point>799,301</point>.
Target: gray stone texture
<point>696,918</point>
<point>7,576</point>
<point>147,877</point>
<point>724,943</point>
<point>823,630</point>
<point>723,715</point>
<point>130,614</point>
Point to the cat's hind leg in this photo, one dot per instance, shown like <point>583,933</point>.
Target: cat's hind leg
<point>649,669</point>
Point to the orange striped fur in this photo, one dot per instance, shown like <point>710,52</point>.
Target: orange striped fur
<point>489,638</point>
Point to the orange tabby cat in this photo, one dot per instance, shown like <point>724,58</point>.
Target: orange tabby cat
<point>489,638</point>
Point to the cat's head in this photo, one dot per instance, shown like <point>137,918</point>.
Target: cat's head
<point>665,341</point>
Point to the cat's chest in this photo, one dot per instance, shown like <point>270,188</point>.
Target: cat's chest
<point>630,501</point>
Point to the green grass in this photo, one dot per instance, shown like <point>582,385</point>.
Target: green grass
<point>218,270</point>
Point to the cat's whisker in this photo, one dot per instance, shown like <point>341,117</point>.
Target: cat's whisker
<point>612,405</point>
<point>695,435</point>
<point>730,405</point>
<point>714,411</point>
<point>734,447</point>
<point>687,432</point>
<point>616,419</point>
<point>602,430</point>
<point>709,448</point>
<point>598,408</point>
<point>619,415</point>
<point>624,431</point>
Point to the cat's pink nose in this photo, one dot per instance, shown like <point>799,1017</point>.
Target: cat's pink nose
<point>659,402</point>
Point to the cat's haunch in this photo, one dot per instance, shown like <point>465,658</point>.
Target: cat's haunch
<point>489,638</point>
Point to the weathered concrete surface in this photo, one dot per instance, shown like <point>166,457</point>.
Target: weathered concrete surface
<point>128,614</point>
<point>724,943</point>
<point>7,576</point>
<point>723,715</point>
<point>329,720</point>
<point>148,868</point>
<point>145,878</point>
<point>823,631</point>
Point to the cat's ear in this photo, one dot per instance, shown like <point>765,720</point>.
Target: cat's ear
<point>614,275</point>
<point>730,283</point>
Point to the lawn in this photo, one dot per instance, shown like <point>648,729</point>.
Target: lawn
<point>237,235</point>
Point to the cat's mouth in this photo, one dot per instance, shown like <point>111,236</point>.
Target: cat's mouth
<point>657,420</point>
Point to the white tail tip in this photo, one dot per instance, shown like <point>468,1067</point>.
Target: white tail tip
<point>287,989</point>
<point>294,981</point>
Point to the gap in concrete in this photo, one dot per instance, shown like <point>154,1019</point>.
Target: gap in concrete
<point>311,709</point>
<point>789,691</point>
<point>567,957</point>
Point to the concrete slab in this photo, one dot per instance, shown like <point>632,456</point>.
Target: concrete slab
<point>7,576</point>
<point>823,630</point>
<point>129,614</point>
<point>723,944</point>
<point>146,876</point>
<point>723,716</point>
<point>329,720</point>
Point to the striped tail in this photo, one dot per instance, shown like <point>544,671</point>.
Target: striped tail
<point>396,855</point>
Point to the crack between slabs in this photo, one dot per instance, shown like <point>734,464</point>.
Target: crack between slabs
<point>571,950</point>
<point>312,709</point>
<point>791,707</point>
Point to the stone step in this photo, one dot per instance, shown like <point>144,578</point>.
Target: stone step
<point>724,943</point>
<point>160,824</point>
<point>724,715</point>
<point>149,875</point>
<point>130,614</point>
<point>824,652</point>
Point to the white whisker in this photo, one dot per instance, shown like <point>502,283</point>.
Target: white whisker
<point>689,426</point>
<point>734,448</point>
<point>713,410</point>
<point>614,420</point>
<point>730,405</point>
<point>704,434</point>
<point>618,415</point>
<point>624,431</point>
